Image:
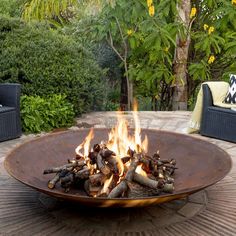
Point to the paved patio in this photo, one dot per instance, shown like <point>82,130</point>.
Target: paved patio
<point>24,211</point>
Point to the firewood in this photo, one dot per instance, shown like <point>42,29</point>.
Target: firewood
<point>94,190</point>
<point>107,187</point>
<point>86,186</point>
<point>66,186</point>
<point>136,190</point>
<point>133,165</point>
<point>66,166</point>
<point>64,172</point>
<point>119,189</point>
<point>168,188</point>
<point>93,157</point>
<point>130,152</point>
<point>167,175</point>
<point>52,183</point>
<point>83,174</point>
<point>68,178</point>
<point>160,173</point>
<point>102,170</point>
<point>173,162</point>
<point>123,186</point>
<point>156,155</point>
<point>96,148</point>
<point>145,181</point>
<point>113,164</point>
<point>97,179</point>
<point>125,159</point>
<point>102,165</point>
<point>105,153</point>
<point>90,189</point>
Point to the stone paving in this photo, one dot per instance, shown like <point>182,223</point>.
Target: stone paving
<point>24,211</point>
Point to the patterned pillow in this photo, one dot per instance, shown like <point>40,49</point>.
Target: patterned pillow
<point>231,95</point>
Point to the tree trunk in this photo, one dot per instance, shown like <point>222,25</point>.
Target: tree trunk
<point>180,96</point>
<point>126,100</point>
<point>123,95</point>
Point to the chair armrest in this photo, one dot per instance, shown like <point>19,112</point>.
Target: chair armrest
<point>206,103</point>
<point>207,96</point>
<point>10,95</point>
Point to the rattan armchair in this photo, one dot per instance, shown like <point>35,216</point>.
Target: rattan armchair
<point>10,125</point>
<point>217,122</point>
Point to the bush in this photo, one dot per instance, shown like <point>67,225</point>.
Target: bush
<point>11,8</point>
<point>44,114</point>
<point>46,62</point>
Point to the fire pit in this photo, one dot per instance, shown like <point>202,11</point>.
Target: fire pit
<point>200,164</point>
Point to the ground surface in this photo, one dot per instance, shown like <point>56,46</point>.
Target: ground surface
<point>24,211</point>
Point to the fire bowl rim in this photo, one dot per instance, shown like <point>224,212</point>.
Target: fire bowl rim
<point>82,199</point>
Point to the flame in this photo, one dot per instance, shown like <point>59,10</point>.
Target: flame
<point>106,185</point>
<point>140,171</point>
<point>120,141</point>
<point>85,145</point>
<point>87,142</point>
<point>137,137</point>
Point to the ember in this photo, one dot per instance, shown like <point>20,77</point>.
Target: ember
<point>119,167</point>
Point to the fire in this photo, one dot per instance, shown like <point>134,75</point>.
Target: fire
<point>140,171</point>
<point>106,185</point>
<point>119,139</point>
<point>86,146</point>
<point>111,168</point>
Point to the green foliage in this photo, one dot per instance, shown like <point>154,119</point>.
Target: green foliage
<point>43,114</point>
<point>46,62</point>
<point>11,7</point>
<point>150,40</point>
<point>220,43</point>
<point>56,12</point>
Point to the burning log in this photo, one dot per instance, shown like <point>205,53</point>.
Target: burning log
<point>145,181</point>
<point>102,165</point>
<point>123,186</point>
<point>119,189</point>
<point>133,165</point>
<point>97,179</point>
<point>83,174</point>
<point>113,164</point>
<point>101,178</point>
<point>108,186</point>
<point>125,159</point>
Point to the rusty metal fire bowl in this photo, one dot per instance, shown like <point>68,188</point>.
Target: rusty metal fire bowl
<point>200,164</point>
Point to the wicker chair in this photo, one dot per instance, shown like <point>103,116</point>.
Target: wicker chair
<point>10,126</point>
<point>217,122</point>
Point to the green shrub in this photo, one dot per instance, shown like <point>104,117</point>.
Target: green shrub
<point>46,62</point>
<point>11,7</point>
<point>44,114</point>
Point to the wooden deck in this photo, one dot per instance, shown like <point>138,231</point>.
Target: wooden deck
<point>24,211</point>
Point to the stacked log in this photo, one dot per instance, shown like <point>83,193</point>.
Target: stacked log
<point>103,174</point>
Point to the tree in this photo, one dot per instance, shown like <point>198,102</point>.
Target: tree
<point>167,47</point>
<point>180,96</point>
<point>47,62</point>
<point>56,12</point>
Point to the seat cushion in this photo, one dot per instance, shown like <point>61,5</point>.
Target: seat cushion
<point>231,95</point>
<point>4,109</point>
<point>221,109</point>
